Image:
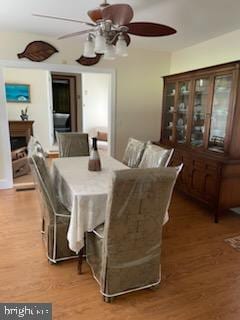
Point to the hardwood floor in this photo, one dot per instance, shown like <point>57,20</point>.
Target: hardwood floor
<point>200,272</point>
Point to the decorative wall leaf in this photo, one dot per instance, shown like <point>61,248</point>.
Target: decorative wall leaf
<point>89,61</point>
<point>37,51</point>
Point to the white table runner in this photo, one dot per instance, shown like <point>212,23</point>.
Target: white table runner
<point>84,193</point>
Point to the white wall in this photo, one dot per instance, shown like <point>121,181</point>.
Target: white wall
<point>38,108</point>
<point>5,155</point>
<point>218,50</point>
<point>138,82</point>
<point>95,88</point>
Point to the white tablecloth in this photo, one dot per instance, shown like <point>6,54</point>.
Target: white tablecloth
<point>84,193</point>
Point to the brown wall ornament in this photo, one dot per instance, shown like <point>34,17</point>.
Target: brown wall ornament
<point>89,61</point>
<point>37,51</point>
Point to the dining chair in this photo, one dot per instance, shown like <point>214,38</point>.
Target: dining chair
<point>55,216</point>
<point>133,152</point>
<point>155,156</point>
<point>125,252</point>
<point>34,146</point>
<point>73,144</point>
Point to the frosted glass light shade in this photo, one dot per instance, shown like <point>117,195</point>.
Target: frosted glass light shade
<point>89,49</point>
<point>109,53</point>
<point>121,47</point>
<point>100,44</point>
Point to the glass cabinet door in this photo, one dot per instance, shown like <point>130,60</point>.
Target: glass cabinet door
<point>181,112</point>
<point>201,96</point>
<point>169,111</point>
<point>220,109</point>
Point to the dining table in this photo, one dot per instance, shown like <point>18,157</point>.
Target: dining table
<point>84,193</point>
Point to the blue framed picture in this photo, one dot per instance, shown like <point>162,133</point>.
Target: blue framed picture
<point>17,92</point>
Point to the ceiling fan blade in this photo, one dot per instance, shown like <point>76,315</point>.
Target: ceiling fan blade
<point>149,29</point>
<point>63,19</point>
<point>119,14</point>
<point>89,61</point>
<point>74,34</point>
<point>96,14</point>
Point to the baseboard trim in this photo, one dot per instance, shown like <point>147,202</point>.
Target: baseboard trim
<point>5,184</point>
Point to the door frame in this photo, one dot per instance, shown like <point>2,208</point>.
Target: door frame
<point>73,96</point>
<point>7,180</point>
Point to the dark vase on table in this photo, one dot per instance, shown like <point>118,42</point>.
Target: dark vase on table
<point>94,163</point>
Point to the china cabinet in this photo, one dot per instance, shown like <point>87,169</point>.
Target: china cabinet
<point>201,121</point>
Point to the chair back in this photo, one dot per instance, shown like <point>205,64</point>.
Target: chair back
<point>45,184</point>
<point>133,153</point>
<point>34,146</point>
<point>133,228</point>
<point>155,157</point>
<point>73,144</point>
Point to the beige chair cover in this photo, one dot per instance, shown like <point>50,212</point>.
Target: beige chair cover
<point>133,153</point>
<point>125,253</point>
<point>56,217</point>
<point>73,144</point>
<point>34,146</point>
<point>155,157</point>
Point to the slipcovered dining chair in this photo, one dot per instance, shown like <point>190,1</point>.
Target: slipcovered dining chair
<point>73,144</point>
<point>155,157</point>
<point>125,252</point>
<point>133,153</point>
<point>34,146</point>
<point>55,216</point>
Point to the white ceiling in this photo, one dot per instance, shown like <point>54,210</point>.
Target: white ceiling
<point>195,20</point>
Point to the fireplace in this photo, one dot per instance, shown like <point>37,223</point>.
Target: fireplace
<point>20,133</point>
<point>18,142</point>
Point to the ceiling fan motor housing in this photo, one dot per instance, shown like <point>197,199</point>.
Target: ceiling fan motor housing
<point>104,4</point>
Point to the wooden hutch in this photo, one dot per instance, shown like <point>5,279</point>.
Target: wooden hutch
<point>201,121</point>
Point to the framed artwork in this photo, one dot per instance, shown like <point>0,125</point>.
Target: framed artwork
<point>17,92</point>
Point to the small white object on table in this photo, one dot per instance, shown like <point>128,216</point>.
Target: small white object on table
<point>84,193</point>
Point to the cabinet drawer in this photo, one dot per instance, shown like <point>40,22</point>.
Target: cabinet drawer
<point>198,164</point>
<point>211,165</point>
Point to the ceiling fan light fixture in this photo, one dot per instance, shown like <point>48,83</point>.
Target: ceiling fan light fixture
<point>109,53</point>
<point>109,32</point>
<point>121,46</point>
<point>100,44</point>
<point>89,48</point>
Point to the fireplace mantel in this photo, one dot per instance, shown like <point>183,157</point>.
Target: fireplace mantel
<point>21,129</point>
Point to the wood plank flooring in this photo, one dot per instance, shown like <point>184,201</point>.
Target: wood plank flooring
<point>200,272</point>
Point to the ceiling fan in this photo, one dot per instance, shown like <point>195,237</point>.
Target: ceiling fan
<point>110,29</point>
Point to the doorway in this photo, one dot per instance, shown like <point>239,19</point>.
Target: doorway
<point>95,111</point>
<point>65,102</point>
